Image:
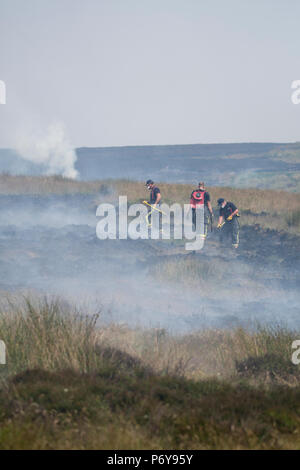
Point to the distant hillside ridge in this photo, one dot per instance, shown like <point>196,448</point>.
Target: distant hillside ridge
<point>264,165</point>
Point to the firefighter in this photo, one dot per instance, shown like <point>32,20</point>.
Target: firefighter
<point>155,198</point>
<point>200,199</point>
<point>228,221</point>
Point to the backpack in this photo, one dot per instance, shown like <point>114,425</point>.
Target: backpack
<point>197,198</point>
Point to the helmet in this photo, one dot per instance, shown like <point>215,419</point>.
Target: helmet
<point>149,182</point>
<point>220,201</point>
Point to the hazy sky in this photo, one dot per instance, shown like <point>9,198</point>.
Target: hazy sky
<point>135,72</point>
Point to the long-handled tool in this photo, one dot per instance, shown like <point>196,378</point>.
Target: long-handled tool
<point>211,222</point>
<point>150,212</point>
<point>153,208</point>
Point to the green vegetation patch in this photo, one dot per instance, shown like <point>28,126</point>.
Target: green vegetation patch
<point>171,412</point>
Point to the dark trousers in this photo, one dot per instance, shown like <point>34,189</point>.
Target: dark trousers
<point>206,220</point>
<point>231,229</point>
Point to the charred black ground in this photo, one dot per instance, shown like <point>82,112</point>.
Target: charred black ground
<point>49,244</point>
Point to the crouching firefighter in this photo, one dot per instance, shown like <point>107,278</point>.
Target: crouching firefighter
<point>228,221</point>
<point>154,201</point>
<point>200,199</point>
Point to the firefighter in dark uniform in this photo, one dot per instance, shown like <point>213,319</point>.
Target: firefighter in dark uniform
<point>228,221</point>
<point>200,198</point>
<point>155,198</point>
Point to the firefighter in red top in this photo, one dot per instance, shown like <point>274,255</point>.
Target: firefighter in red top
<point>200,198</point>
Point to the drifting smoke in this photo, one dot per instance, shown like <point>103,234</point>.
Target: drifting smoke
<point>51,150</point>
<point>49,245</point>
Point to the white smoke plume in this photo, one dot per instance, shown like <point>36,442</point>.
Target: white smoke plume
<point>50,149</point>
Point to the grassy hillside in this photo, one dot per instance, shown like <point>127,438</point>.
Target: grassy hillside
<point>243,165</point>
<point>270,208</point>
